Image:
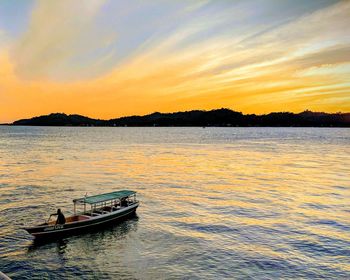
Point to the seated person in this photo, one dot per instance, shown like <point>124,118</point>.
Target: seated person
<point>124,202</point>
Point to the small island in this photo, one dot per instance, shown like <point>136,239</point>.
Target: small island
<point>199,118</point>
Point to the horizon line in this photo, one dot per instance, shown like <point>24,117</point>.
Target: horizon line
<point>155,112</point>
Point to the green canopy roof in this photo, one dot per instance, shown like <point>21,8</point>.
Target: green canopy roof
<point>104,197</point>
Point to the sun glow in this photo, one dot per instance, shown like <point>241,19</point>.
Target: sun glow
<point>259,65</point>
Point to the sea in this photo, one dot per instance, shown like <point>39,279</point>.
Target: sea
<point>215,203</point>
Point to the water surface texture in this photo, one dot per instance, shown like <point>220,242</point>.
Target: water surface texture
<point>216,203</point>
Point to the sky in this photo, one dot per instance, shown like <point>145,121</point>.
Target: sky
<point>112,58</point>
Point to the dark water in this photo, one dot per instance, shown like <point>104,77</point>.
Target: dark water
<point>216,203</point>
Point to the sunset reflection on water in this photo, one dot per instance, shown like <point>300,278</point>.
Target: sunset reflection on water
<point>215,202</point>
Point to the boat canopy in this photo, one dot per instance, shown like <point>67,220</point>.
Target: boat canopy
<point>104,197</point>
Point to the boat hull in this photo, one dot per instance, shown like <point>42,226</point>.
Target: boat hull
<point>57,231</point>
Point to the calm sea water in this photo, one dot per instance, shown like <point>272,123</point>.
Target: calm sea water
<point>216,203</point>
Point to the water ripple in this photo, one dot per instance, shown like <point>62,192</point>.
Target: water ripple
<point>216,203</point>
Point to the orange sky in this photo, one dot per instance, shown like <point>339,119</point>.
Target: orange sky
<point>59,62</point>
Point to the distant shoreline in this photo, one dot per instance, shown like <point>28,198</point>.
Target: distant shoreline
<point>173,126</point>
<point>196,118</point>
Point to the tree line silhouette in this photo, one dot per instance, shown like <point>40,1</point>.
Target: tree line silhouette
<point>219,117</point>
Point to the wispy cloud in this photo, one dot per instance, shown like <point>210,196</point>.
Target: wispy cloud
<point>106,58</point>
<point>225,63</point>
<point>58,32</point>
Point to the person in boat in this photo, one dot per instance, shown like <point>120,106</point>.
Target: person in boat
<point>123,202</point>
<point>61,220</point>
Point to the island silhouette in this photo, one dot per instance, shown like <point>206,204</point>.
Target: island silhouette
<point>218,117</point>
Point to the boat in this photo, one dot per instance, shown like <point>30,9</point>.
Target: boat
<point>3,276</point>
<point>97,211</point>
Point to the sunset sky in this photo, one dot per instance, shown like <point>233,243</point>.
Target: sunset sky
<point>111,58</point>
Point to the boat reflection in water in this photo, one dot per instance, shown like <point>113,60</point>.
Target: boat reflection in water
<point>68,257</point>
<point>104,209</point>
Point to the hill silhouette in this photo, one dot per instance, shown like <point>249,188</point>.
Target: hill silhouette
<point>218,117</point>
<point>60,119</point>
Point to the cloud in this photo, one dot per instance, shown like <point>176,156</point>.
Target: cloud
<point>4,40</point>
<point>176,59</point>
<point>334,55</point>
<point>241,71</point>
<point>58,32</point>
<point>68,41</point>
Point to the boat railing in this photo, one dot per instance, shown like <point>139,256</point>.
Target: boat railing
<point>101,210</point>
<point>105,206</point>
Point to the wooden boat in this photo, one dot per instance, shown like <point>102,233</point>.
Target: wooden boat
<point>98,210</point>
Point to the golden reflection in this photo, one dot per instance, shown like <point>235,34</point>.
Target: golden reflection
<point>251,194</point>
